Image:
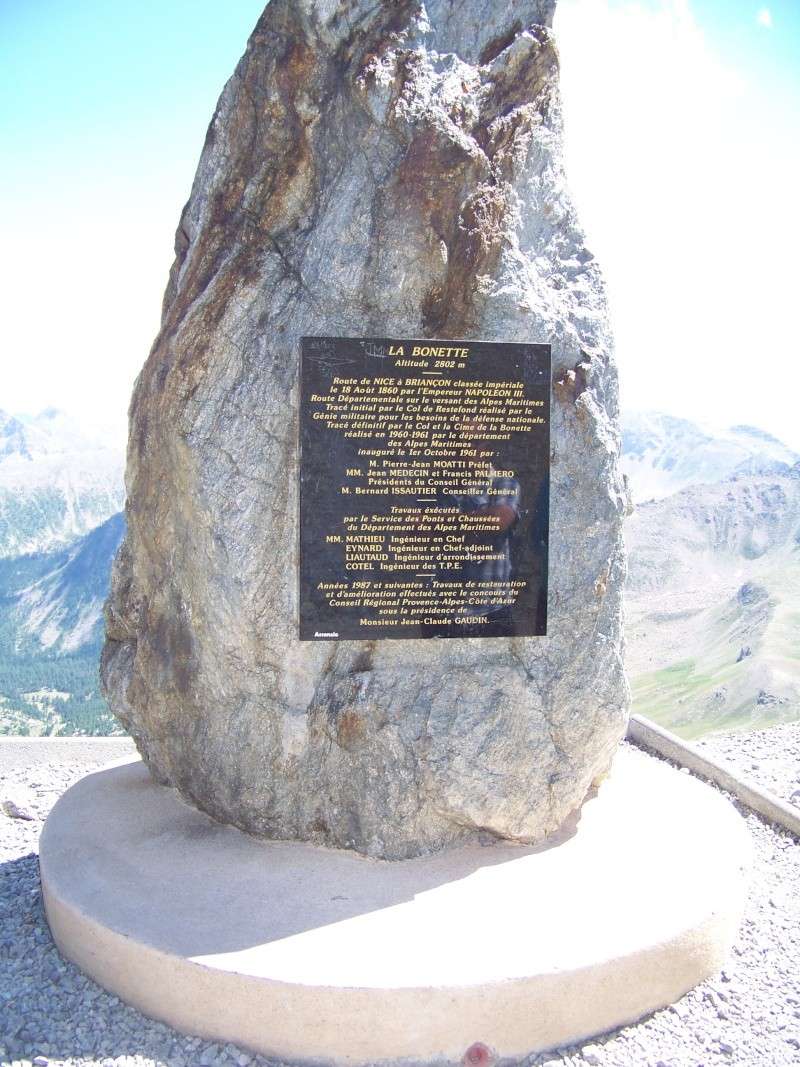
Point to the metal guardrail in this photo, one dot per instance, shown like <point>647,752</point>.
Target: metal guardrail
<point>651,736</point>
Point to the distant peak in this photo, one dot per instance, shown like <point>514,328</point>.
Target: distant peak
<point>758,434</point>
<point>663,453</point>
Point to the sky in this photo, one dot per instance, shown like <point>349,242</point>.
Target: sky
<point>682,122</point>
<point>682,128</point>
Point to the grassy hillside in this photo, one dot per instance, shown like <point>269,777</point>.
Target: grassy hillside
<point>713,606</point>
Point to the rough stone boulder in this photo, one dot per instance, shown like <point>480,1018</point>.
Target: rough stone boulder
<point>372,169</point>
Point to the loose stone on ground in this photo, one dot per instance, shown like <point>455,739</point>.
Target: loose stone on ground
<point>749,1014</point>
<point>770,758</point>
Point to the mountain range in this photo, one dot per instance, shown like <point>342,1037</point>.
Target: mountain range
<point>662,454</point>
<point>713,604</point>
<point>61,494</point>
<point>712,600</point>
<point>58,480</point>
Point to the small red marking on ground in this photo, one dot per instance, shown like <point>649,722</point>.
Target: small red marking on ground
<point>478,1055</point>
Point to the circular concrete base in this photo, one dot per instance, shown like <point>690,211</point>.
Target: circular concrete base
<point>311,954</point>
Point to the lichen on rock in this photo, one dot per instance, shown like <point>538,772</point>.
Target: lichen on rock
<point>372,169</point>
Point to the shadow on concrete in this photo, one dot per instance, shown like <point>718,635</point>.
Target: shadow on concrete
<point>142,862</point>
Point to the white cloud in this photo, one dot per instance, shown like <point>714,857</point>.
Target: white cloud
<point>684,174</point>
<point>764,18</point>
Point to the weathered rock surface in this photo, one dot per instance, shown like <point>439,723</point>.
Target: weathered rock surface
<point>371,169</point>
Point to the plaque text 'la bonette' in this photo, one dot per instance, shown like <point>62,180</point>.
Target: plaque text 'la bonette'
<point>423,488</point>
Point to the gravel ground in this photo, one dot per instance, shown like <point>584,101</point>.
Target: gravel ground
<point>50,1012</point>
<point>770,758</point>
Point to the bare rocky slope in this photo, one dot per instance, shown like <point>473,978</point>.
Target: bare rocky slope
<point>51,632</point>
<point>61,490</point>
<point>713,605</point>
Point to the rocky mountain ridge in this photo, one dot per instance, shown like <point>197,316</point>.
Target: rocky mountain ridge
<point>713,604</point>
<point>662,454</point>
<point>711,609</point>
<point>61,490</point>
<point>58,480</point>
<point>51,629</point>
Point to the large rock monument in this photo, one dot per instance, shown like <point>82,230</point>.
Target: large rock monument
<point>389,169</point>
<point>384,355</point>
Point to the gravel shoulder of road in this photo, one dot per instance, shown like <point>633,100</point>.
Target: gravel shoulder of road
<point>748,1014</point>
<point>770,758</point>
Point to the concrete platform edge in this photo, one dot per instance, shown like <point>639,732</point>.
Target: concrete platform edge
<point>426,1025</point>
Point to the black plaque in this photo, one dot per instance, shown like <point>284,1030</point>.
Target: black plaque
<point>424,481</point>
